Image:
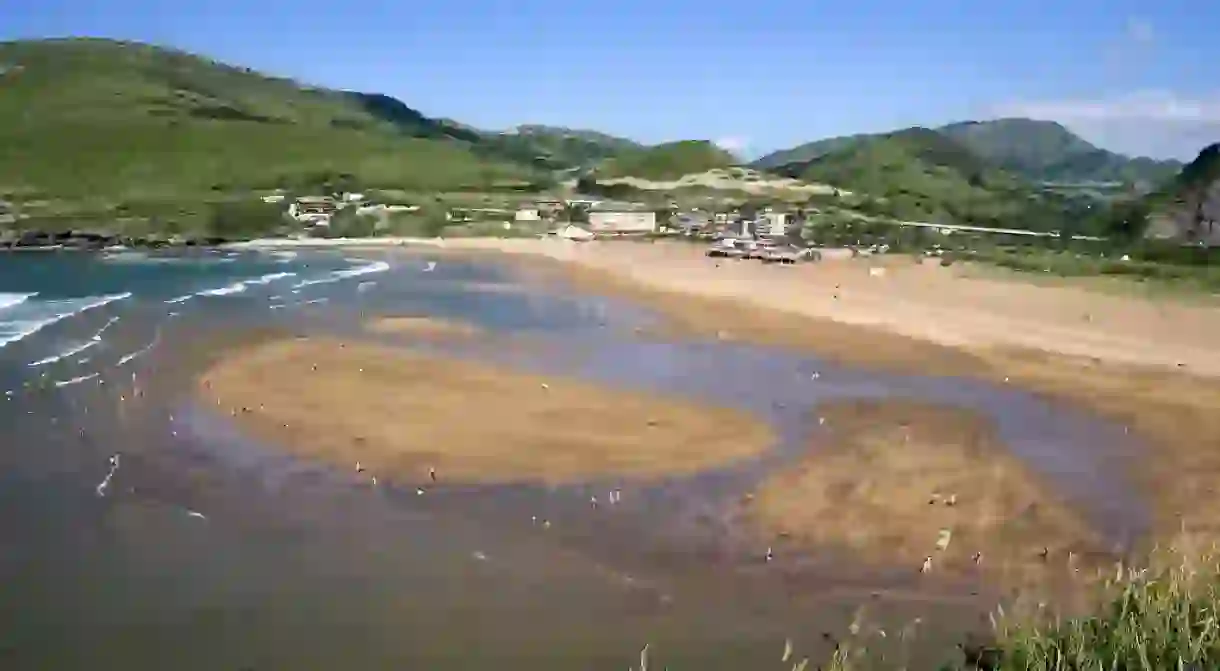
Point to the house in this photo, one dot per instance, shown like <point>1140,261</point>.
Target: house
<point>692,222</point>
<point>312,209</point>
<point>774,224</point>
<point>622,219</point>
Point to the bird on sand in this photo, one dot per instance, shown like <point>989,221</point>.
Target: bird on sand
<point>430,267</point>
<point>432,474</point>
<point>927,565</point>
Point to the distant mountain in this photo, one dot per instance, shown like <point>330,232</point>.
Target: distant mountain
<point>922,174</point>
<point>1040,151</point>
<point>112,120</point>
<point>668,161</point>
<point>1046,151</point>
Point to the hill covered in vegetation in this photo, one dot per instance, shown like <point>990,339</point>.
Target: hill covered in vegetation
<point>106,119</point>
<point>921,174</point>
<point>1046,151</point>
<point>556,147</point>
<point>667,161</point>
<point>1039,151</point>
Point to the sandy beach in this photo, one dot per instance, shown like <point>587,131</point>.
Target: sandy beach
<point>1150,365</point>
<point>403,415</point>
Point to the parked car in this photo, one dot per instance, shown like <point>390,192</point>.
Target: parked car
<point>726,248</point>
<point>790,254</point>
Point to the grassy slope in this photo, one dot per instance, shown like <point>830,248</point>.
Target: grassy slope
<point>108,119</point>
<point>667,161</point>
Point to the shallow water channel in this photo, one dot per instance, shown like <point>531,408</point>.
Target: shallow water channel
<point>207,550</point>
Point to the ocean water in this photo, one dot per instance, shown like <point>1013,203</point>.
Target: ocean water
<point>199,548</point>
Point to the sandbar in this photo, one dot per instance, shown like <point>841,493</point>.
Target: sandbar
<point>426,327</point>
<point>401,414</point>
<point>890,479</point>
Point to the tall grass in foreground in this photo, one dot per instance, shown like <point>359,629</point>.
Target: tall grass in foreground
<point>1163,618</point>
<point>1159,618</point>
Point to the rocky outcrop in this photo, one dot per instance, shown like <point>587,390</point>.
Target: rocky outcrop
<point>30,240</point>
<point>1189,209</point>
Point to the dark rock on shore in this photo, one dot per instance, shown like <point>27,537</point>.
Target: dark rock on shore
<point>33,240</point>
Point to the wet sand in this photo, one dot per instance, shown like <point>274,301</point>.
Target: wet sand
<point>422,327</point>
<point>900,481</point>
<point>401,414</point>
<point>1150,366</point>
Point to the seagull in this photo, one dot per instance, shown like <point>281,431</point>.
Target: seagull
<point>546,386</point>
<point>815,376</point>
<point>593,500</point>
<point>419,491</point>
<point>432,474</point>
<point>770,555</point>
<point>787,650</point>
<point>196,514</point>
<point>927,565</point>
<point>359,468</point>
<point>430,267</point>
<point>114,466</point>
<point>978,558</point>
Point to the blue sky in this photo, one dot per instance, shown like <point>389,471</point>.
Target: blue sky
<point>1137,77</point>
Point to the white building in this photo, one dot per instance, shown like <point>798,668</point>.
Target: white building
<point>774,224</point>
<point>527,214</point>
<point>622,220</point>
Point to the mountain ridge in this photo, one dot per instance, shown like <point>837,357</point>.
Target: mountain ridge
<point>1037,150</point>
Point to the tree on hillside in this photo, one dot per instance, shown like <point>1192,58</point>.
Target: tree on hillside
<point>575,213</point>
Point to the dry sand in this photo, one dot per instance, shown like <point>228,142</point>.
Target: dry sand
<point>400,414</point>
<point>888,479</point>
<point>1152,366</point>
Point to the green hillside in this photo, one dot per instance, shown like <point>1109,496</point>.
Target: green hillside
<point>1046,151</point>
<point>807,152</point>
<point>107,119</point>
<point>559,148</point>
<point>1039,151</point>
<point>921,174</point>
<point>667,161</point>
